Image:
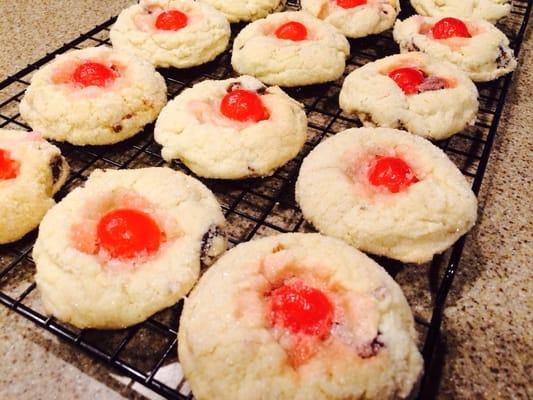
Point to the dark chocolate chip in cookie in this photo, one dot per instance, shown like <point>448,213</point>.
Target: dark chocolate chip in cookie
<point>56,166</point>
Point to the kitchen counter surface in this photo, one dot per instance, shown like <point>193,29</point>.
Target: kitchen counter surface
<point>486,348</point>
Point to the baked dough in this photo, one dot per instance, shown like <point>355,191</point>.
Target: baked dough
<point>93,115</point>
<point>445,104</point>
<point>83,285</point>
<point>490,10</point>
<point>192,128</point>
<point>374,17</point>
<point>484,57</point>
<point>318,59</point>
<point>426,218</point>
<point>41,173</point>
<point>230,348</point>
<point>245,10</point>
<point>206,35</point>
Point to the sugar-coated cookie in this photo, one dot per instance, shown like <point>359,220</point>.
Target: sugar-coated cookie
<point>355,18</point>
<point>386,192</point>
<point>298,316</point>
<point>232,129</point>
<point>125,245</point>
<point>31,172</point>
<point>93,96</point>
<point>412,91</point>
<point>490,10</point>
<point>172,33</point>
<point>290,49</point>
<point>474,45</point>
<point>245,10</point>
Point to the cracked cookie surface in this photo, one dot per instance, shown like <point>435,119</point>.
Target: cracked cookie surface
<point>319,57</point>
<point>490,10</point>
<point>484,55</point>
<point>416,206</point>
<point>192,128</point>
<point>93,96</point>
<point>245,10</point>
<point>298,316</point>
<point>31,172</point>
<point>125,245</point>
<point>443,104</point>
<point>205,35</point>
<point>360,20</point>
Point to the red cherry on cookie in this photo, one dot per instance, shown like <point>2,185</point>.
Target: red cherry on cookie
<point>301,309</point>
<point>391,172</point>
<point>350,3</point>
<point>292,30</point>
<point>93,74</point>
<point>9,168</point>
<point>243,105</point>
<point>172,20</point>
<point>407,79</point>
<point>450,27</point>
<point>126,233</point>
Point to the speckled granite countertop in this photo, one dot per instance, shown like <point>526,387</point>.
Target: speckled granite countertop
<point>487,330</point>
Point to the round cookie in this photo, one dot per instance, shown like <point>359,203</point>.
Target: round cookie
<point>490,10</point>
<point>298,316</point>
<point>412,91</point>
<point>31,172</point>
<point>125,245</point>
<point>482,50</point>
<point>386,192</point>
<point>175,33</point>
<point>93,96</point>
<point>355,19</point>
<point>203,127</point>
<point>290,49</point>
<point>245,10</point>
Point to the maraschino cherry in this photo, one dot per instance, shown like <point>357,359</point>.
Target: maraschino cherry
<point>450,27</point>
<point>243,105</point>
<point>292,30</point>
<point>393,173</point>
<point>127,233</point>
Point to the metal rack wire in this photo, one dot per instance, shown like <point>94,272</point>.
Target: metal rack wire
<point>254,207</point>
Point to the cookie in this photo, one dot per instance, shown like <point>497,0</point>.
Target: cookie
<point>290,49</point>
<point>475,46</point>
<point>355,18</point>
<point>386,192</point>
<point>93,96</point>
<point>298,316</point>
<point>412,91</point>
<point>245,10</point>
<point>125,245</point>
<point>31,172</point>
<point>171,33</point>
<point>232,129</point>
<point>490,10</point>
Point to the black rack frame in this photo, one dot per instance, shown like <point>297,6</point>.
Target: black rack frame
<point>252,207</point>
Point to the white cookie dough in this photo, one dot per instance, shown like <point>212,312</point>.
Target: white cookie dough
<point>229,348</point>
<point>41,171</point>
<point>245,10</point>
<point>426,218</point>
<point>435,112</point>
<point>192,128</point>
<point>490,10</point>
<point>206,35</point>
<point>93,115</point>
<point>484,57</point>
<point>375,16</point>
<point>318,59</point>
<point>82,285</point>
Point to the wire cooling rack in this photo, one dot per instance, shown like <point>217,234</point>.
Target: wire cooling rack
<point>253,208</point>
